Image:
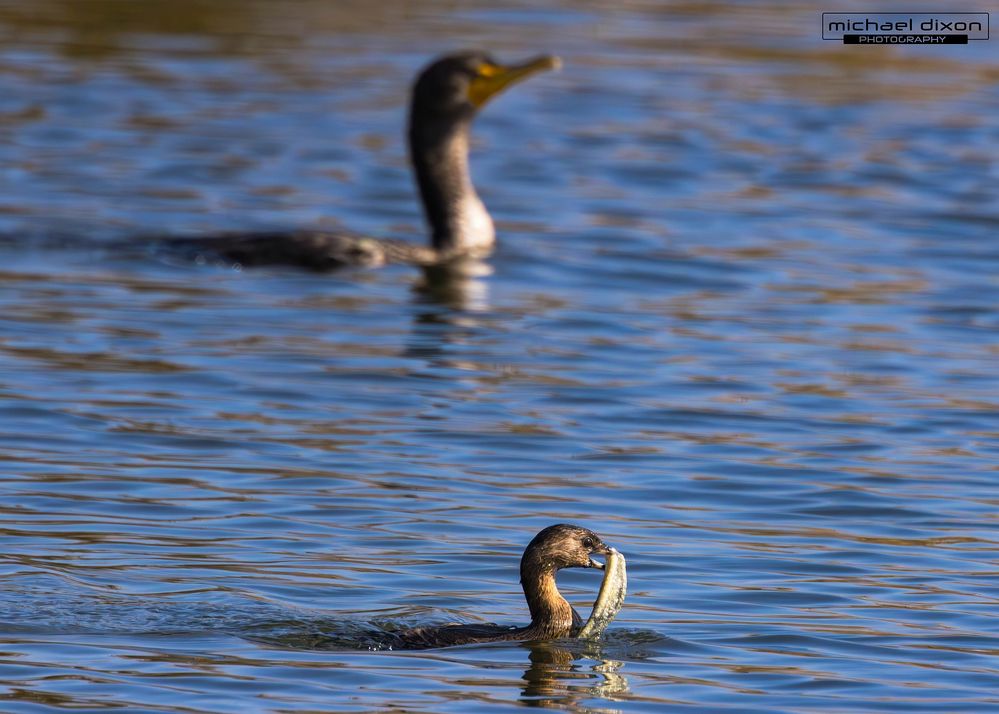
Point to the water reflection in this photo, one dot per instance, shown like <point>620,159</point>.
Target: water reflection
<point>458,285</point>
<point>554,678</point>
<point>447,304</point>
<point>560,672</point>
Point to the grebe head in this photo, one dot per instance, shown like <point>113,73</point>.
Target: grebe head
<point>564,546</point>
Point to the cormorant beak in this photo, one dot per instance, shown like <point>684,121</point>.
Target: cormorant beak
<point>491,79</point>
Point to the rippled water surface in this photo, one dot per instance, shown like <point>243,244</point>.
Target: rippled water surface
<point>741,323</point>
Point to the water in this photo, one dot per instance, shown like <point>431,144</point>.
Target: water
<point>741,323</point>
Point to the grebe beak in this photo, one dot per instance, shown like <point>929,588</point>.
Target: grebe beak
<point>601,550</point>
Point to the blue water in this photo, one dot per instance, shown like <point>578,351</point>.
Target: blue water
<point>741,323</point>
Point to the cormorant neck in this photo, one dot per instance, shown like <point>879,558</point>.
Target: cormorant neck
<point>551,614</point>
<point>459,222</point>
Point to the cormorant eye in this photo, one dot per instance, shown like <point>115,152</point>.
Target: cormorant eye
<point>588,542</point>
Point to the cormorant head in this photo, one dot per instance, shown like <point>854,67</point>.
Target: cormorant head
<point>563,546</point>
<point>455,86</point>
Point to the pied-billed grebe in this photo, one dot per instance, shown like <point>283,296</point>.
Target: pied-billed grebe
<point>556,547</point>
<point>445,99</point>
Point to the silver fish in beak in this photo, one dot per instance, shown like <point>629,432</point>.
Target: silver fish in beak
<point>611,598</point>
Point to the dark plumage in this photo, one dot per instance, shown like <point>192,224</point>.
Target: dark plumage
<point>445,99</point>
<point>552,617</point>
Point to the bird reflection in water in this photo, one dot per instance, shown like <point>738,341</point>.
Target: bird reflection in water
<point>457,285</point>
<point>556,675</point>
<point>449,301</point>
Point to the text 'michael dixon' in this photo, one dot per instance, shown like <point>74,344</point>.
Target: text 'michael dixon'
<point>896,28</point>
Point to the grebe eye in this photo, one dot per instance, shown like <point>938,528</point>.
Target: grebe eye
<point>588,542</point>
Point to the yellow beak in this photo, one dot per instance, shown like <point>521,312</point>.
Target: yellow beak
<point>493,78</point>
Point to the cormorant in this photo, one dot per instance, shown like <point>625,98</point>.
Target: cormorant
<point>445,99</point>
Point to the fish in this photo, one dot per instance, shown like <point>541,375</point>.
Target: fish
<point>610,600</point>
